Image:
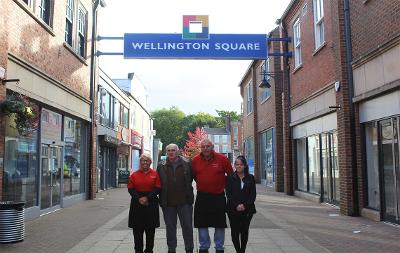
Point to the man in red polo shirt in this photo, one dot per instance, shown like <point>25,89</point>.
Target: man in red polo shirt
<point>209,171</point>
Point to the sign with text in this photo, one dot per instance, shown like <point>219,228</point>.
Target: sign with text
<point>174,46</point>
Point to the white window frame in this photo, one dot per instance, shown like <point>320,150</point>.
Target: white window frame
<point>319,27</point>
<point>79,22</point>
<point>265,68</point>
<point>249,95</point>
<point>35,7</point>
<point>297,43</point>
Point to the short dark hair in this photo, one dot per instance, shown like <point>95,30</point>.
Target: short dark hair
<point>244,161</point>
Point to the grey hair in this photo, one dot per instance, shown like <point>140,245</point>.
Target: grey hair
<point>204,141</point>
<point>172,145</point>
<point>146,155</point>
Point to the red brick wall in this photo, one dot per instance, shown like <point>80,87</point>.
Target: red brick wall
<point>31,42</point>
<point>372,24</point>
<point>24,36</point>
<point>248,119</point>
<point>317,69</point>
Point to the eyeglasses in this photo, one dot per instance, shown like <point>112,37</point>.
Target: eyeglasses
<point>145,161</point>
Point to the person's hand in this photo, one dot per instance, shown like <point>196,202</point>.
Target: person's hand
<point>144,201</point>
<point>240,208</point>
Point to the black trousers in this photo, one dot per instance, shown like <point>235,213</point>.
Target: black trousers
<point>138,238</point>
<point>240,231</point>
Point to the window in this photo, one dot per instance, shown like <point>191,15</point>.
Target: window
<point>82,17</point>
<point>69,19</point>
<point>235,135</point>
<point>372,162</point>
<point>125,117</point>
<point>105,108</point>
<point>266,92</point>
<point>117,113</point>
<point>216,138</point>
<point>249,92</point>
<point>249,153</point>
<point>314,164</point>
<point>42,8</point>
<point>224,138</point>
<point>297,43</point>
<point>319,23</point>
<point>72,28</point>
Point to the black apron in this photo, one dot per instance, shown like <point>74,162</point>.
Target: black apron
<point>209,210</point>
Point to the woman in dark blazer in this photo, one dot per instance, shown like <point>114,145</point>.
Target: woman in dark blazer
<point>241,195</point>
<point>144,186</point>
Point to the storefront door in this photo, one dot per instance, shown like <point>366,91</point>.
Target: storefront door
<point>51,173</point>
<point>390,164</point>
<point>330,171</point>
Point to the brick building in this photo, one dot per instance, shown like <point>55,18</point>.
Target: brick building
<point>262,118</point>
<point>46,56</point>
<point>375,37</point>
<point>317,107</point>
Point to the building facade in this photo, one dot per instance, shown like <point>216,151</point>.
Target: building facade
<point>375,37</point>
<point>113,133</point>
<point>45,62</point>
<point>262,118</point>
<point>141,123</point>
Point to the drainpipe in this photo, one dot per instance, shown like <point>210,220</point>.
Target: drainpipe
<point>349,59</point>
<point>93,66</point>
<point>286,73</point>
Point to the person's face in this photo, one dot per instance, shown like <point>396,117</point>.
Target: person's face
<point>172,153</point>
<point>206,148</point>
<point>239,166</point>
<point>145,163</point>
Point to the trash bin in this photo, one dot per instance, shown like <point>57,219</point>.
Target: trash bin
<point>12,226</point>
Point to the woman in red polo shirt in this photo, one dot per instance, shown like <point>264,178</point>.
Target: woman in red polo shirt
<point>144,186</point>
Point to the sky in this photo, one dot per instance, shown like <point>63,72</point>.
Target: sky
<point>191,85</point>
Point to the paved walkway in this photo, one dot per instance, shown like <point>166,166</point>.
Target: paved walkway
<point>282,224</point>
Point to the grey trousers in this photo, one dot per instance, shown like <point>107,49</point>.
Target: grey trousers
<point>184,212</point>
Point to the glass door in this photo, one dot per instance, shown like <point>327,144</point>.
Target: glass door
<point>330,172</point>
<point>51,171</point>
<point>390,165</point>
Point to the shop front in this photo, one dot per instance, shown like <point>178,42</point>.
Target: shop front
<point>46,172</point>
<point>316,159</point>
<point>380,120</point>
<point>137,144</point>
<point>107,162</point>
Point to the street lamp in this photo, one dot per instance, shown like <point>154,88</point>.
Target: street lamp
<point>265,80</point>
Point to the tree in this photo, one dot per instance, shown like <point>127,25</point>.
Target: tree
<point>168,124</point>
<point>231,114</point>
<point>192,146</point>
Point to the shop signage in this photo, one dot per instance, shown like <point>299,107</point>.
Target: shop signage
<point>111,140</point>
<point>136,140</point>
<point>123,176</point>
<point>216,46</point>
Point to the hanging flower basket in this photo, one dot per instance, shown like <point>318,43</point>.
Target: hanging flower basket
<point>24,112</point>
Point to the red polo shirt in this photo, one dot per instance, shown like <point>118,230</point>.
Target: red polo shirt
<point>210,174</point>
<point>144,182</point>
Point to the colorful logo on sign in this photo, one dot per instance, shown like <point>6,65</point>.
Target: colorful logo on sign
<point>195,27</point>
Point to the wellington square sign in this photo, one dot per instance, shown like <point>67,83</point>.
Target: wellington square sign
<point>195,43</point>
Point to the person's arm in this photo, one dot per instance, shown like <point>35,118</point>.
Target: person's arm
<point>229,193</point>
<point>131,187</point>
<point>228,167</point>
<point>157,188</point>
<point>252,196</point>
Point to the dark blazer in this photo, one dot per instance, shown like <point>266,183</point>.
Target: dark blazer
<point>236,195</point>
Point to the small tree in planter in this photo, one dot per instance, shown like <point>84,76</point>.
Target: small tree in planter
<point>24,112</point>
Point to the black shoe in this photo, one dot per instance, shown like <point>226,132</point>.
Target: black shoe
<point>171,251</point>
<point>203,250</point>
<point>219,251</point>
<point>189,250</point>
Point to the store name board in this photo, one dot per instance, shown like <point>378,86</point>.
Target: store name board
<point>216,46</point>
<point>136,140</point>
